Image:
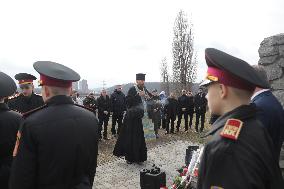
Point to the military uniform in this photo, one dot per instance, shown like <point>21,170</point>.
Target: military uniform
<point>59,141</point>
<point>23,103</point>
<point>9,125</point>
<point>244,162</point>
<point>239,153</point>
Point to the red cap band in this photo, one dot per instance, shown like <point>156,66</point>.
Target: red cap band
<point>45,80</point>
<point>25,81</point>
<point>216,74</point>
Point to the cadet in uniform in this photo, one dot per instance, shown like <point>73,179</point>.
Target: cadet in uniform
<point>9,125</point>
<point>239,153</point>
<point>27,100</point>
<point>59,142</point>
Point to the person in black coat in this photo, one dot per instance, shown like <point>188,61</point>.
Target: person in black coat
<point>190,107</point>
<point>171,109</point>
<point>104,108</point>
<point>155,111</point>
<point>118,107</point>
<point>271,112</point>
<point>131,141</point>
<point>163,102</point>
<point>183,105</point>
<point>239,152</point>
<point>58,146</point>
<point>9,124</point>
<point>200,103</point>
<point>27,100</point>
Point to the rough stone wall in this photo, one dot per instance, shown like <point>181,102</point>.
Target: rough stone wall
<point>271,53</point>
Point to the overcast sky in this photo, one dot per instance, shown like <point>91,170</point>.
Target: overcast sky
<point>113,40</point>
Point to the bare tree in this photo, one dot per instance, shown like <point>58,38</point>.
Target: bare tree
<point>192,74</point>
<point>184,67</point>
<point>165,86</point>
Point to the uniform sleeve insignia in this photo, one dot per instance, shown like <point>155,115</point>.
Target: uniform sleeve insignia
<point>232,129</point>
<point>13,97</point>
<point>17,144</point>
<point>216,187</point>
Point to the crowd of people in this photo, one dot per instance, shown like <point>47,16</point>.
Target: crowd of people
<point>162,110</point>
<point>51,142</point>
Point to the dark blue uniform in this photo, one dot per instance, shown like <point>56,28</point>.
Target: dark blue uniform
<point>272,117</point>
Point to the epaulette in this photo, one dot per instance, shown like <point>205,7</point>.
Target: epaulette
<point>87,108</point>
<point>26,114</point>
<point>232,129</point>
<point>13,97</point>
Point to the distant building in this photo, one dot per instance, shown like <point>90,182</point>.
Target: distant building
<point>83,86</point>
<point>75,86</point>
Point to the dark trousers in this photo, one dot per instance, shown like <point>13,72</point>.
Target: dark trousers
<point>103,120</point>
<point>170,120</point>
<point>198,115</point>
<point>190,118</point>
<point>116,118</point>
<point>164,123</point>
<point>156,119</point>
<point>185,116</point>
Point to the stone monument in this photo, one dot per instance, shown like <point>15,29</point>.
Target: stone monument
<point>271,53</point>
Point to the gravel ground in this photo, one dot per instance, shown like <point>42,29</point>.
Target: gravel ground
<point>117,174</point>
<point>106,146</point>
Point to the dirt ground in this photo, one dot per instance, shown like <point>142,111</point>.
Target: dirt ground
<point>106,146</point>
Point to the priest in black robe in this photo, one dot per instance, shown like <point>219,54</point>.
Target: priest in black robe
<point>131,142</point>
